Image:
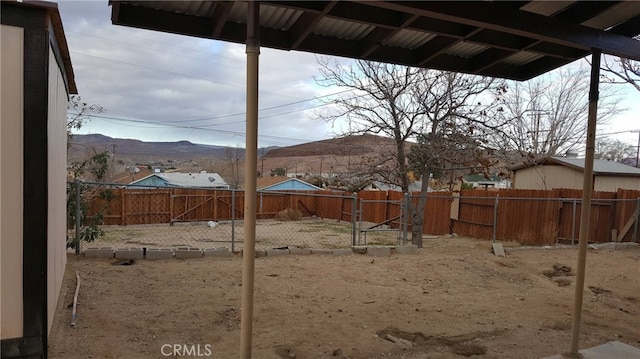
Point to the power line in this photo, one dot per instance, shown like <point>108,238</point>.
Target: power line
<point>173,73</point>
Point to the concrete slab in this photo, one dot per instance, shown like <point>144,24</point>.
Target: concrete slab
<point>612,245</point>
<point>102,252</point>
<point>277,252</point>
<point>379,251</point>
<point>359,249</point>
<point>321,251</point>
<point>342,252</point>
<point>407,249</point>
<point>129,253</point>
<point>188,252</point>
<point>610,350</point>
<point>217,252</point>
<point>498,249</point>
<point>294,250</point>
<point>159,253</point>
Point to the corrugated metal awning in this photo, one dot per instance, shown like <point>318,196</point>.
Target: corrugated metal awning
<point>507,39</point>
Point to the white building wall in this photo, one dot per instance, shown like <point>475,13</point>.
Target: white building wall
<point>547,177</point>
<point>612,183</point>
<point>57,159</point>
<point>551,177</point>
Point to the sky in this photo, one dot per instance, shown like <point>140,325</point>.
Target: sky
<point>164,87</point>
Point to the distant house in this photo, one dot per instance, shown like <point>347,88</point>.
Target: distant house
<point>414,186</point>
<point>481,181</point>
<point>562,172</point>
<point>284,184</point>
<point>181,179</point>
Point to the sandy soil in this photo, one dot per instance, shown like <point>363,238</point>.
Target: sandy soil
<point>452,300</point>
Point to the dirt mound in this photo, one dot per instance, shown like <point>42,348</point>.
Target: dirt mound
<point>559,270</point>
<point>463,345</point>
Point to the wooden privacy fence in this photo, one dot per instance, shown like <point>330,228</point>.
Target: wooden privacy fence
<point>532,217</point>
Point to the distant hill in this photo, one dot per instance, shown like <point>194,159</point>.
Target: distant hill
<point>313,157</point>
<point>341,146</point>
<point>136,151</point>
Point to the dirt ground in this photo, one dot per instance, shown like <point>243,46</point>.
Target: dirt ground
<point>454,299</point>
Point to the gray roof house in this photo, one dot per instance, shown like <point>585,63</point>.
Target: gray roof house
<point>181,179</point>
<point>562,172</point>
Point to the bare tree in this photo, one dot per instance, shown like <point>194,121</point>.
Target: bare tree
<point>401,103</point>
<point>458,111</point>
<point>381,103</point>
<point>95,165</point>
<point>621,71</point>
<point>547,116</point>
<point>78,113</point>
<point>232,159</point>
<point>613,150</point>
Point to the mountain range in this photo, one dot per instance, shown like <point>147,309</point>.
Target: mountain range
<point>302,158</point>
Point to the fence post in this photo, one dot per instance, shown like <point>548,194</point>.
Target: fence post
<point>635,223</point>
<point>123,218</point>
<point>77,194</point>
<point>573,221</point>
<point>405,218</point>
<point>495,218</point>
<point>353,218</point>
<point>233,220</point>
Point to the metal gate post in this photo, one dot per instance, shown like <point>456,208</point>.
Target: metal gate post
<point>77,194</point>
<point>495,219</point>
<point>233,220</point>
<point>353,218</point>
<point>635,223</point>
<point>573,221</point>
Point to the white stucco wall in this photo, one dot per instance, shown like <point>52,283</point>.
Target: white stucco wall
<point>11,189</point>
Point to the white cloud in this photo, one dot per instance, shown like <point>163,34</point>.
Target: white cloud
<point>183,88</point>
<point>175,88</point>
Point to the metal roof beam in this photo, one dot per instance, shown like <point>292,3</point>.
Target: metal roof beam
<point>492,15</point>
<point>220,15</point>
<point>159,20</point>
<point>582,11</point>
<point>306,23</point>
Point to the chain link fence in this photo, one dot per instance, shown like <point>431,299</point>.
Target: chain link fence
<point>140,217</point>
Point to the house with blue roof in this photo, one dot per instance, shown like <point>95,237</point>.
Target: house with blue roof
<point>181,179</point>
<point>281,183</point>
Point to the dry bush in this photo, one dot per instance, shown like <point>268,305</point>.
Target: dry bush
<point>289,214</point>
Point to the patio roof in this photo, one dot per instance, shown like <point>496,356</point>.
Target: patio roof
<point>507,39</point>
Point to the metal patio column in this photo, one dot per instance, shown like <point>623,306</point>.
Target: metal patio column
<point>585,213</point>
<point>251,150</point>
